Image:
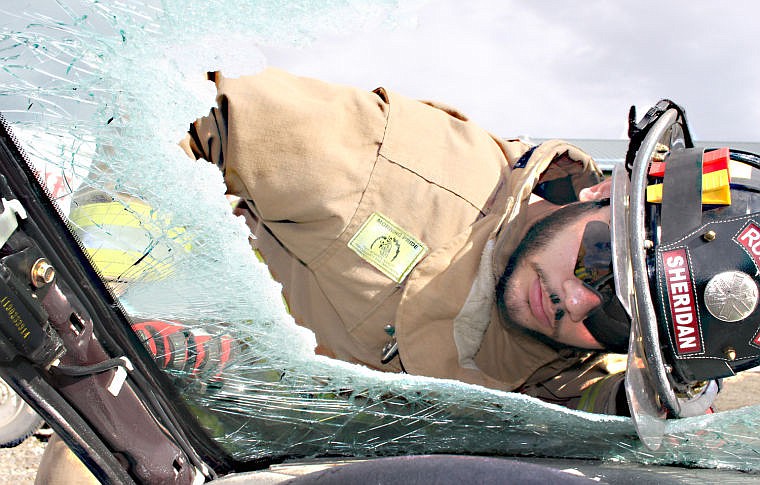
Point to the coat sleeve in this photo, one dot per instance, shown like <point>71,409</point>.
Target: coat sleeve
<point>299,149</point>
<point>570,171</point>
<point>593,385</point>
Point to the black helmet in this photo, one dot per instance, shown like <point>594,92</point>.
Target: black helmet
<point>686,244</point>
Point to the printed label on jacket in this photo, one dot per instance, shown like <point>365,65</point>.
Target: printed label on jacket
<point>387,247</point>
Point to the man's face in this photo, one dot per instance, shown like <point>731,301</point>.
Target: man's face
<point>540,290</point>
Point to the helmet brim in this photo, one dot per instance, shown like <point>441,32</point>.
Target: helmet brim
<point>644,403</point>
<point>650,392</point>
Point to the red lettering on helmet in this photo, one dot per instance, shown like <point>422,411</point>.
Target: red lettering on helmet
<point>749,239</point>
<point>756,340</point>
<point>683,313</point>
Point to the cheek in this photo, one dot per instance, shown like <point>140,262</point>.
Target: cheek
<point>561,261</point>
<point>564,250</point>
<point>578,335</point>
<point>569,252</point>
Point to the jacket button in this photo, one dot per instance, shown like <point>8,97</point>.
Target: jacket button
<point>390,349</point>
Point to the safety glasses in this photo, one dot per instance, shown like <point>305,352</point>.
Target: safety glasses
<point>594,263</point>
<point>608,323</point>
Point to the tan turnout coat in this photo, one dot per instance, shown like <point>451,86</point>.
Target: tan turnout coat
<point>314,160</point>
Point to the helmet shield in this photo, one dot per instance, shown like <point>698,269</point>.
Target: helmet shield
<point>707,298</point>
<point>645,405</point>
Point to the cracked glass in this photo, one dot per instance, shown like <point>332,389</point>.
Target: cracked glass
<point>100,93</point>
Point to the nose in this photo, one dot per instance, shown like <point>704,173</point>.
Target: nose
<point>579,300</point>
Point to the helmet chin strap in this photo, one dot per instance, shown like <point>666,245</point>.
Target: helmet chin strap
<point>610,326</point>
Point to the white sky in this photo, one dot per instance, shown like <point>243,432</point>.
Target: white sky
<point>554,68</point>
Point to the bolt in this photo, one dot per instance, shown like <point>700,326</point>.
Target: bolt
<point>709,236</point>
<point>730,353</point>
<point>660,152</point>
<point>42,273</point>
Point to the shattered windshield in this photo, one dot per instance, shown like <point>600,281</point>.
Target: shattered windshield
<point>100,93</point>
